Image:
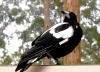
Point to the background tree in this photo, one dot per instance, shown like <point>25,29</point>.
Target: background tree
<point>46,25</point>
<point>74,56</point>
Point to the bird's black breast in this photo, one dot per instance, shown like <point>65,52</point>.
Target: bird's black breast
<point>61,27</point>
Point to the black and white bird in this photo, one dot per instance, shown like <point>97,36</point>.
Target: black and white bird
<point>58,41</point>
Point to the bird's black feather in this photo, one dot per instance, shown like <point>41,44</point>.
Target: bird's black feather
<point>61,27</point>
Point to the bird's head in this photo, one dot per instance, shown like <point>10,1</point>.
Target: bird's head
<point>69,16</point>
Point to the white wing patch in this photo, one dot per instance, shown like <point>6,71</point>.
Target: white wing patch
<point>65,34</point>
<point>67,14</point>
<point>53,27</point>
<point>32,60</point>
<point>68,32</point>
<point>62,42</point>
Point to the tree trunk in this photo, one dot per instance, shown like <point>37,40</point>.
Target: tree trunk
<point>46,13</point>
<point>46,61</point>
<point>74,56</point>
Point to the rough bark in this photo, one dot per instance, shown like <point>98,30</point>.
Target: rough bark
<point>46,61</point>
<point>74,56</point>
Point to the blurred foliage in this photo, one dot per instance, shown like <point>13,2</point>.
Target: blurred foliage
<point>15,58</point>
<point>25,35</point>
<point>6,60</point>
<point>31,17</point>
<point>20,19</point>
<point>90,20</point>
<point>14,11</point>
<point>87,12</point>
<point>39,21</point>
<point>83,2</point>
<point>1,17</point>
<point>2,43</point>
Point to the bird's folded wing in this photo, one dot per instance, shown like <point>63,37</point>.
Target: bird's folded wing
<point>31,54</point>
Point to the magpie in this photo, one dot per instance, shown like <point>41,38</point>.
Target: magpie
<point>58,41</point>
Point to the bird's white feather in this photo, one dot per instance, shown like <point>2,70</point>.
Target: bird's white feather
<point>62,42</point>
<point>53,27</point>
<point>32,60</point>
<point>63,34</point>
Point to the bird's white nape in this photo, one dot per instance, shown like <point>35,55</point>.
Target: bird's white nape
<point>67,12</point>
<point>67,15</point>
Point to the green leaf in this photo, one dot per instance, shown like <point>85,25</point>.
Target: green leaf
<point>39,21</point>
<point>93,3</point>
<point>25,36</point>
<point>20,19</point>
<point>2,43</point>
<point>83,2</point>
<point>1,17</point>
<point>87,12</point>
<point>14,11</point>
<point>59,4</point>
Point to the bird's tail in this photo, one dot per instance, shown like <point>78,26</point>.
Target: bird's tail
<point>24,66</point>
<point>33,55</point>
